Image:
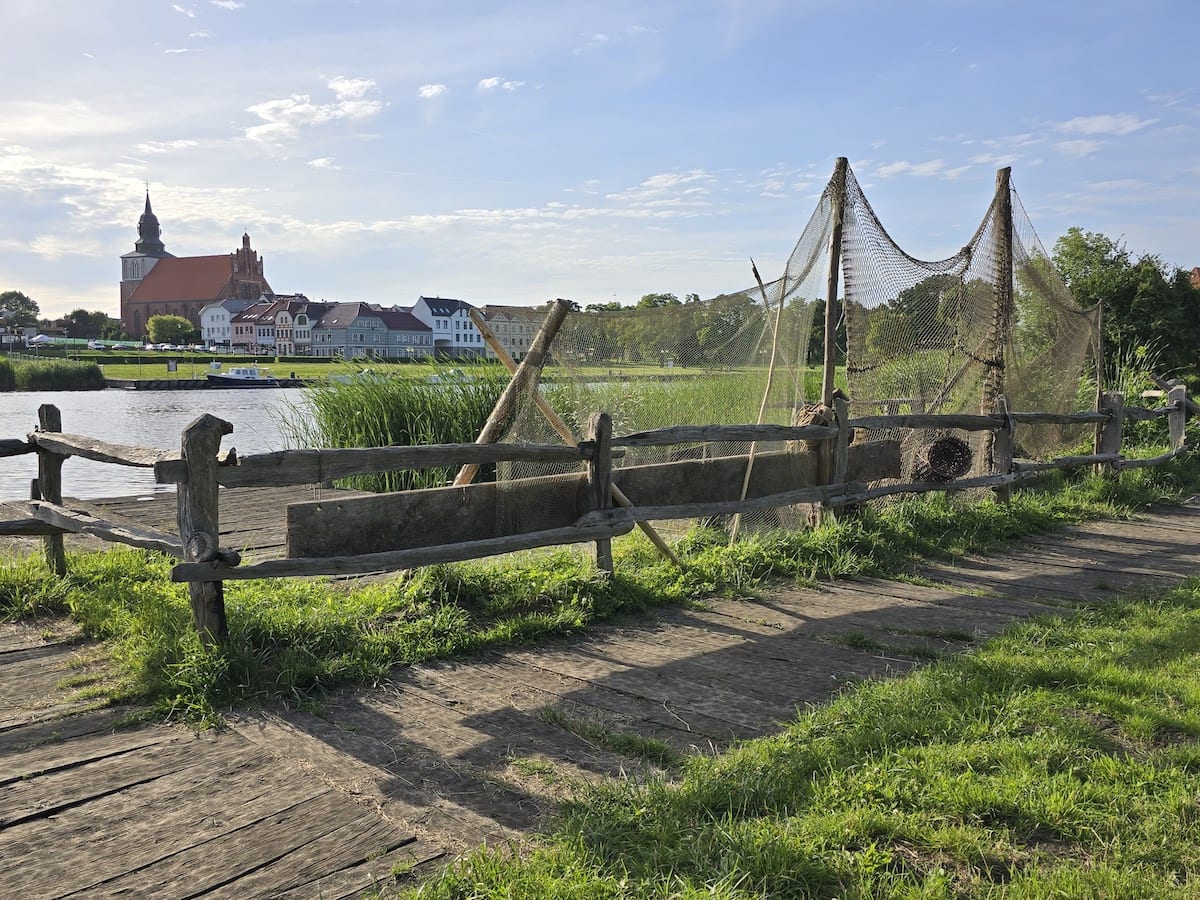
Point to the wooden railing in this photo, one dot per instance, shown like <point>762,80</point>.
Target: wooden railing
<point>821,465</point>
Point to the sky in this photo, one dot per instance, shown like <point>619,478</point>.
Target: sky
<point>514,152</point>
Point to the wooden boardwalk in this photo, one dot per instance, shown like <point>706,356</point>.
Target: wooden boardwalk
<point>440,758</point>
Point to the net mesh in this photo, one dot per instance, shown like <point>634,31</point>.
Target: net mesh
<point>941,336</point>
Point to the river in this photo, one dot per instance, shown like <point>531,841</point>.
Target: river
<point>153,419</point>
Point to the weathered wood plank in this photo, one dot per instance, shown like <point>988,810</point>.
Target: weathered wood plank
<point>390,561</point>
<point>709,434</point>
<point>78,521</point>
<point>961,422</point>
<point>49,486</point>
<point>199,522</point>
<point>288,467</point>
<point>100,451</point>
<point>15,447</point>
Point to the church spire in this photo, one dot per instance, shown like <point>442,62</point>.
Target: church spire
<point>149,233</point>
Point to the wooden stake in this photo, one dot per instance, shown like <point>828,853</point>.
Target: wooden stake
<point>564,430</point>
<point>530,366</point>
<point>199,527</point>
<point>1002,450</point>
<point>599,474</point>
<point>49,487</point>
<point>993,382</point>
<point>1110,433</point>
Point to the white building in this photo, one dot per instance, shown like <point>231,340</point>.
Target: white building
<point>215,328</point>
<point>454,334</point>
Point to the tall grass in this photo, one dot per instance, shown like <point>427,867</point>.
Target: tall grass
<point>8,378</point>
<point>424,405</point>
<point>55,375</point>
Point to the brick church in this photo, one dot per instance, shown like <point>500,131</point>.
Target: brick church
<point>155,282</point>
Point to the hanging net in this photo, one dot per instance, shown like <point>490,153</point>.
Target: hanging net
<point>944,336</point>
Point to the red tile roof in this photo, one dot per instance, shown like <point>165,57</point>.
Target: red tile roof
<point>187,278</point>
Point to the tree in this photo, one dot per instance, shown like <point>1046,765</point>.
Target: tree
<point>83,324</point>
<point>654,301</point>
<point>171,330</point>
<point>18,308</point>
<point>1146,304</point>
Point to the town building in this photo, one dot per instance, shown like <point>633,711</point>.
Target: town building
<point>295,317</point>
<point>454,334</point>
<point>357,330</point>
<point>215,327</point>
<point>514,327</point>
<point>155,282</point>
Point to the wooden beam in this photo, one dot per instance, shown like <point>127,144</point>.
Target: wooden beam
<point>316,466</point>
<point>79,522</point>
<point>101,451</point>
<point>15,447</point>
<point>394,560</point>
<point>705,434</point>
<point>527,373</point>
<point>563,429</point>
<point>818,494</point>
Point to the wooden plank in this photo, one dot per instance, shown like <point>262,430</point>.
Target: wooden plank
<point>318,466</point>
<point>710,434</point>
<point>643,513</point>
<point>434,516</point>
<point>77,521</point>
<point>1064,462</point>
<point>16,518</point>
<point>100,451</point>
<point>1151,461</point>
<point>15,447</point>
<point>356,881</point>
<point>958,421</point>
<point>391,561</point>
<point>1139,414</point>
<point>600,482</point>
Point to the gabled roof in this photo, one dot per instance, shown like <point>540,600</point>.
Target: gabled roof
<point>401,320</point>
<point>186,278</point>
<point>342,315</point>
<point>257,312</point>
<point>444,306</point>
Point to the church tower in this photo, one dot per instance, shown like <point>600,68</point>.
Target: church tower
<point>147,250</point>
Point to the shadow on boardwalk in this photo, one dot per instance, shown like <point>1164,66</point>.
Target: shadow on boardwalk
<point>441,758</point>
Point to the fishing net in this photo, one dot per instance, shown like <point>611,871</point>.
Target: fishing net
<point>943,336</point>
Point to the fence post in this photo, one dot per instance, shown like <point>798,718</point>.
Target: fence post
<point>199,528</point>
<point>49,486</point>
<point>599,480</point>
<point>1177,418</point>
<point>1002,441</point>
<point>1110,433</point>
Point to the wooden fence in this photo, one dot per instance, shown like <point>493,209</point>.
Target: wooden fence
<point>386,532</point>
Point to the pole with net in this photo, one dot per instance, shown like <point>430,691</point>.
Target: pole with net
<point>831,292</point>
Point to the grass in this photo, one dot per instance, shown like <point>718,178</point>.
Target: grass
<point>1059,760</point>
<point>291,640</point>
<point>50,375</point>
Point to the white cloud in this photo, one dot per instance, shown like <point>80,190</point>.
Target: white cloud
<point>350,88</point>
<point>490,84</point>
<point>165,146</point>
<point>592,42</point>
<point>199,34</point>
<point>668,189</point>
<point>190,13</point>
<point>429,91</point>
<point>227,4</point>
<point>1078,149</point>
<point>1118,125</point>
<point>284,118</point>
<point>926,169</point>
<point>177,50</point>
<point>324,162</point>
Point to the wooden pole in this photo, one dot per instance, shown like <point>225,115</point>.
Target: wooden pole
<point>1110,434</point>
<point>1002,450</point>
<point>993,383</point>
<point>1177,418</point>
<point>831,287</point>
<point>49,486</point>
<point>199,527</point>
<point>530,366</point>
<point>564,430</point>
<point>599,475</point>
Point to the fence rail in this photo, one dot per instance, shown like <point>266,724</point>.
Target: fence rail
<point>821,465</point>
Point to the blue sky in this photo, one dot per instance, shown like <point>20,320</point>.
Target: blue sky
<point>513,152</point>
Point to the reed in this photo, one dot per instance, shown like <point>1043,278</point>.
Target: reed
<point>57,375</point>
<point>426,405</point>
<point>8,378</point>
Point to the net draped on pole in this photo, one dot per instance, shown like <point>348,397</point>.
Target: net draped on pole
<point>914,335</point>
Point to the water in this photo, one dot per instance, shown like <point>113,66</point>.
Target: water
<point>154,419</point>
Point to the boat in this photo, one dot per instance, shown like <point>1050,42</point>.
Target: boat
<point>243,376</point>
